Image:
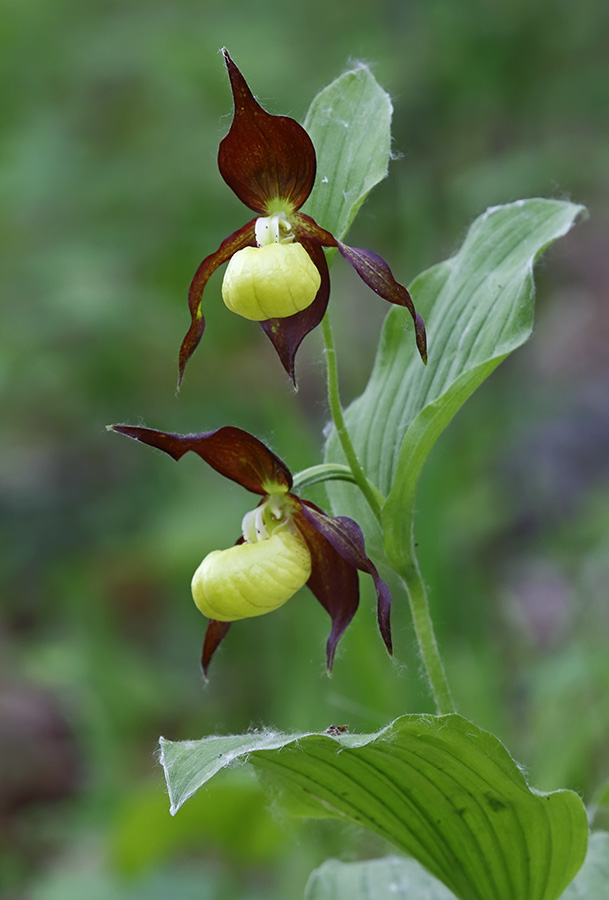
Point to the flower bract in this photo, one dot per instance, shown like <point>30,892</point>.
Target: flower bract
<point>277,273</point>
<point>286,542</point>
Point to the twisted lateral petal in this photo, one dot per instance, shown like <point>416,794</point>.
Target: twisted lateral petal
<point>274,281</point>
<point>264,157</point>
<point>334,583</point>
<point>251,579</point>
<point>287,334</point>
<point>373,269</point>
<point>232,452</point>
<point>347,539</point>
<point>244,237</point>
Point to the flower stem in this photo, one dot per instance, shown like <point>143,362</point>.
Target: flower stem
<point>319,474</point>
<point>408,570</point>
<point>426,638</point>
<point>368,490</point>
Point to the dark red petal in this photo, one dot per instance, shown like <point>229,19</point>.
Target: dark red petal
<point>287,334</point>
<point>213,636</point>
<point>244,237</point>
<point>333,582</point>
<point>306,227</point>
<point>264,157</point>
<point>373,269</point>
<point>347,539</point>
<point>232,452</point>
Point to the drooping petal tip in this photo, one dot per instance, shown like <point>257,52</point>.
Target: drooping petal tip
<point>333,582</point>
<point>238,240</point>
<point>375,272</point>
<point>337,549</point>
<point>216,631</point>
<point>421,337</point>
<point>347,538</point>
<point>287,334</point>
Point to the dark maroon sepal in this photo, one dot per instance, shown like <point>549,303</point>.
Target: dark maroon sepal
<point>215,633</point>
<point>287,334</point>
<point>232,452</point>
<point>333,582</point>
<point>373,269</point>
<point>244,237</point>
<point>264,157</point>
<point>347,539</point>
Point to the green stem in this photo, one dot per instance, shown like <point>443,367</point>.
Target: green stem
<point>426,638</point>
<point>409,572</point>
<point>319,474</point>
<point>368,490</point>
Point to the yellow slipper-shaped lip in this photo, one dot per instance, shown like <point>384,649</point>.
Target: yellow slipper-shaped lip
<point>270,282</point>
<point>251,579</point>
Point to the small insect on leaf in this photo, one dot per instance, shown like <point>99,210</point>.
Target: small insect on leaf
<point>336,729</point>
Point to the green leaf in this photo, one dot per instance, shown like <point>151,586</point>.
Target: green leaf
<point>395,878</point>
<point>350,125</point>
<point>592,881</point>
<point>392,878</point>
<point>441,789</point>
<point>478,308</point>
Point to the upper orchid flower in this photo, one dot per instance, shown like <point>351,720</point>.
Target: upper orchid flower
<point>286,542</point>
<point>278,274</point>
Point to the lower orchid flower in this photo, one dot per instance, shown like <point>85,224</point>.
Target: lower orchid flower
<point>286,542</point>
<point>277,272</point>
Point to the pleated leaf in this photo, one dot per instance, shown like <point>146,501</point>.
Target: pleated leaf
<point>349,123</point>
<point>592,880</point>
<point>441,789</point>
<point>392,878</point>
<point>478,308</point>
<point>396,878</point>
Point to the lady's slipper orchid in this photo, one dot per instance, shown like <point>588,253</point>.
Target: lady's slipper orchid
<point>277,272</point>
<point>286,542</point>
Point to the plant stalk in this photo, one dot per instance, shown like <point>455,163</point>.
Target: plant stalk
<point>368,490</point>
<point>426,638</point>
<point>409,572</point>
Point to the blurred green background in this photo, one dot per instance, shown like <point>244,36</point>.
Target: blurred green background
<point>109,198</point>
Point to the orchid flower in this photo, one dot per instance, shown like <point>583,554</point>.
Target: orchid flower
<point>286,542</point>
<point>277,272</point>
